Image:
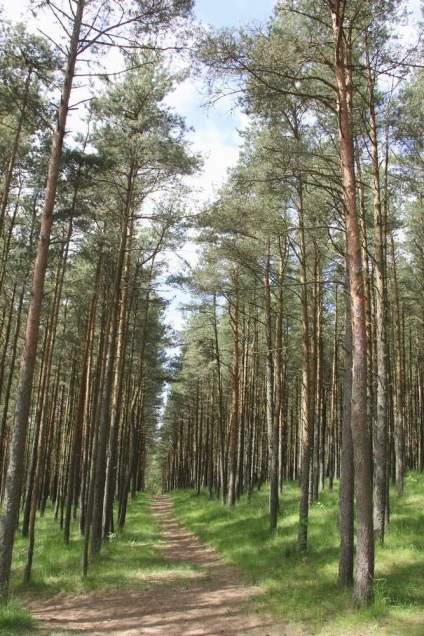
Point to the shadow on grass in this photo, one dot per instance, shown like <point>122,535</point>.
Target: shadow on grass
<point>15,619</point>
<point>57,567</point>
<point>303,587</point>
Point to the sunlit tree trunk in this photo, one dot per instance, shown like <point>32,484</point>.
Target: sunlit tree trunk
<point>364,574</point>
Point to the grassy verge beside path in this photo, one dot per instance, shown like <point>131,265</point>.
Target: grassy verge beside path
<point>302,588</point>
<point>127,560</point>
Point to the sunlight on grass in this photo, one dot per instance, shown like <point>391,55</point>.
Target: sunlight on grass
<point>131,559</point>
<point>303,588</point>
<point>123,558</point>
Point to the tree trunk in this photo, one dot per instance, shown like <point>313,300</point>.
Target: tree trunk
<point>380,428</point>
<point>272,421</point>
<point>399,424</point>
<point>235,407</point>
<point>117,389</point>
<point>10,506</point>
<point>364,575</point>
<point>302,536</point>
<point>221,427</point>
<point>347,476</point>
<point>75,454</point>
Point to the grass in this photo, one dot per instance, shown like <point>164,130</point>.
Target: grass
<point>302,588</point>
<point>299,588</point>
<point>131,559</point>
<point>14,619</point>
<point>124,558</point>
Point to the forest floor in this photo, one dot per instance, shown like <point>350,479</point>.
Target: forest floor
<point>201,596</point>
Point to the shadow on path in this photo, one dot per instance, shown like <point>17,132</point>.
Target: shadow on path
<point>209,599</point>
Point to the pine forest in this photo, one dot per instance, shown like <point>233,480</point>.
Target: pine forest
<point>284,405</point>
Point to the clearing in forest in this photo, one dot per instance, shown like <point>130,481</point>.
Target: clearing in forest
<point>202,596</point>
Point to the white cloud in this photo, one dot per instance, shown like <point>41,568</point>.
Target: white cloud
<point>221,152</point>
<point>214,134</point>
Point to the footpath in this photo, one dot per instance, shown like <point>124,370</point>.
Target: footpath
<point>201,596</point>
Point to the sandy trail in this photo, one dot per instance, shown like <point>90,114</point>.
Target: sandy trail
<point>208,599</point>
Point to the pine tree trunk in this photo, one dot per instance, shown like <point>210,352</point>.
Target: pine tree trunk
<point>221,427</point>
<point>8,391</point>
<point>272,421</point>
<point>117,390</point>
<point>364,575</point>
<point>380,428</point>
<point>105,410</point>
<point>302,536</point>
<point>75,454</point>
<point>235,406</point>
<point>279,368</point>
<point>347,476</point>
<point>334,404</point>
<point>399,415</point>
<point>10,506</point>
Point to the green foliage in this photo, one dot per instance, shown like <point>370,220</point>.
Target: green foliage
<point>302,588</point>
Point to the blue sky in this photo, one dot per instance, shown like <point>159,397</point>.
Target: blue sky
<point>215,130</point>
<point>232,12</point>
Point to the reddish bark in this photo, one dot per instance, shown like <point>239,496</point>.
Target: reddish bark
<point>364,575</point>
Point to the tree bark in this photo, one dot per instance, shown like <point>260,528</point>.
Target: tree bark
<point>302,536</point>
<point>10,507</point>
<point>272,421</point>
<point>347,476</point>
<point>364,575</point>
<point>399,415</point>
<point>235,407</point>
<point>380,427</point>
<point>75,453</point>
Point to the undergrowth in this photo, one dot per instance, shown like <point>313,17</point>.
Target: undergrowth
<point>302,588</point>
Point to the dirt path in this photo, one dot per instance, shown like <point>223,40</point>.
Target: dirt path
<point>207,599</point>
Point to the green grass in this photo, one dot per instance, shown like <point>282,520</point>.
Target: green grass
<point>131,559</point>
<point>125,558</point>
<point>302,588</point>
<point>14,619</point>
<point>298,588</point>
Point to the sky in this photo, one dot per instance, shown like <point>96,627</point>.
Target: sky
<point>215,130</point>
<point>215,133</point>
